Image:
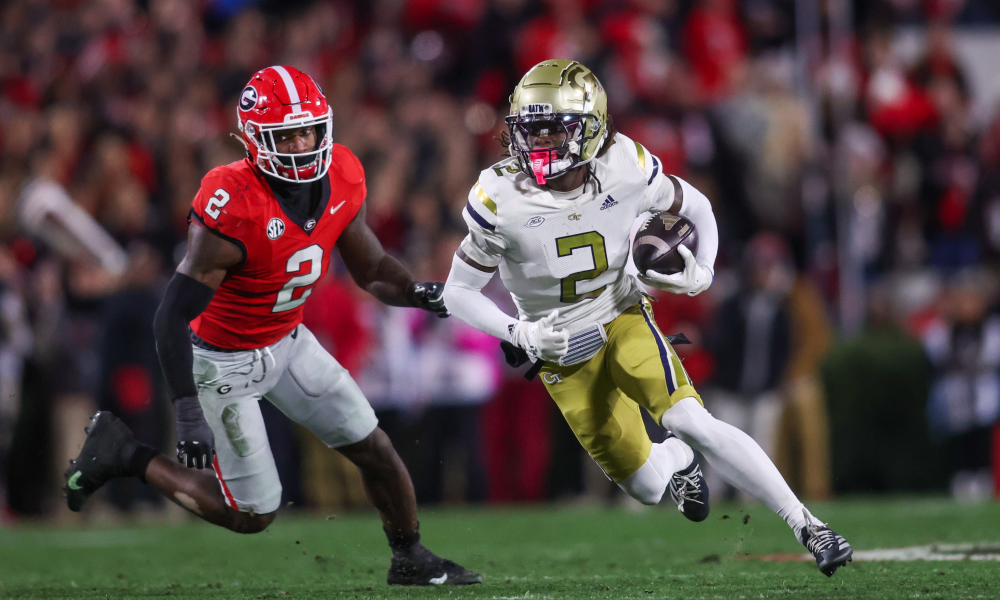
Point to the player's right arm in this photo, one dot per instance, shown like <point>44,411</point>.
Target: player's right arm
<point>188,294</point>
<point>472,268</point>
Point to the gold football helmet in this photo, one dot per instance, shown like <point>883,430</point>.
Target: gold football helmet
<point>558,118</point>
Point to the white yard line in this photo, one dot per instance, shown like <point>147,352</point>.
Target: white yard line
<point>988,551</point>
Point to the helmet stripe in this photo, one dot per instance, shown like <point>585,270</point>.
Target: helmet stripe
<point>293,94</point>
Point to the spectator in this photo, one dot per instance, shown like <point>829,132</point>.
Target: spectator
<point>750,341</point>
<point>15,345</point>
<point>964,347</point>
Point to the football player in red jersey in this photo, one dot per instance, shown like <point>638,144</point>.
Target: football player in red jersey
<point>229,332</point>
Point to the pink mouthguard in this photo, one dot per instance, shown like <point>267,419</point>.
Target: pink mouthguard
<point>539,160</point>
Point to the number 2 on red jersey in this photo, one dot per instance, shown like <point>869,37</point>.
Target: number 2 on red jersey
<point>311,254</point>
<point>220,199</point>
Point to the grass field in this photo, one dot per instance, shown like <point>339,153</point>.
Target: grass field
<point>550,552</point>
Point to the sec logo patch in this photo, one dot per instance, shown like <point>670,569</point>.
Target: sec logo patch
<point>275,228</point>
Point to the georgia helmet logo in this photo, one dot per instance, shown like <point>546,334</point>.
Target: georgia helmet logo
<point>248,99</point>
<point>225,389</point>
<point>275,228</point>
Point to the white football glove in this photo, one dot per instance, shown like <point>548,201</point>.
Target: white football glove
<point>539,339</point>
<point>693,280</point>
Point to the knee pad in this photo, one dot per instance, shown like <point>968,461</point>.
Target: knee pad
<point>645,485</point>
<point>689,421</point>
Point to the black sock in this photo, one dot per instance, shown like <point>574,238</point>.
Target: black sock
<point>138,458</point>
<point>403,541</point>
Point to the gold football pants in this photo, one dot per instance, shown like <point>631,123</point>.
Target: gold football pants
<point>600,398</point>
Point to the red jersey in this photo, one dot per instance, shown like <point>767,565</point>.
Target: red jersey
<point>260,300</point>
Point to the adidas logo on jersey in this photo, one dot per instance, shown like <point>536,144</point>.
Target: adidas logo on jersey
<point>608,203</point>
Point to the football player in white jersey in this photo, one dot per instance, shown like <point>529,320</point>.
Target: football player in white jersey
<point>555,219</point>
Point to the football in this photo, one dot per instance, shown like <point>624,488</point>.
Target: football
<point>656,242</point>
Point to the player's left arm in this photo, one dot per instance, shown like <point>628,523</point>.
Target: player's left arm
<point>688,202</point>
<point>381,275</point>
<point>672,194</point>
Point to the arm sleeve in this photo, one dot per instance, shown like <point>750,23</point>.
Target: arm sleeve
<point>185,299</point>
<point>464,298</point>
<point>697,207</point>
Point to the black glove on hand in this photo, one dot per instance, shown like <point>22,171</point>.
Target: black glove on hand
<point>195,440</point>
<point>428,295</point>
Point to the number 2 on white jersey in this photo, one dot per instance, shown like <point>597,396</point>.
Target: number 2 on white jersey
<point>311,254</point>
<point>220,199</point>
<point>565,247</point>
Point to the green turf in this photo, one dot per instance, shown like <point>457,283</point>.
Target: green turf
<point>551,552</point>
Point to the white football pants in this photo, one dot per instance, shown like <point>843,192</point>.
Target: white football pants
<point>300,378</point>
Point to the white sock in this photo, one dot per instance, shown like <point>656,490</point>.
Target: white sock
<point>736,457</point>
<point>648,483</point>
<point>673,455</point>
<point>796,514</point>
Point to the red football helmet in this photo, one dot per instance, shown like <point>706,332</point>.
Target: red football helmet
<point>285,98</point>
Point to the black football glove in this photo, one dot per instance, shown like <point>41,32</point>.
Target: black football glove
<point>428,295</point>
<point>195,440</point>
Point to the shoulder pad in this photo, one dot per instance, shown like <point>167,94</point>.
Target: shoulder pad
<point>482,206</point>
<point>634,154</point>
<point>505,168</point>
<point>221,203</point>
<point>347,165</point>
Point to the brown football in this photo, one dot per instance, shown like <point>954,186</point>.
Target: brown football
<point>656,242</point>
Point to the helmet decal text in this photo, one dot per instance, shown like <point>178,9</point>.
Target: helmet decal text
<point>536,109</point>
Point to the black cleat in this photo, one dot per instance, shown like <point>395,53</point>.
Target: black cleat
<point>689,492</point>
<point>420,566</point>
<point>829,547</point>
<point>100,459</point>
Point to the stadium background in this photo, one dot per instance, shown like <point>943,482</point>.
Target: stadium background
<point>851,152</point>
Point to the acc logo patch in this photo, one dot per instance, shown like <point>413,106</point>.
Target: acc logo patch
<point>248,99</point>
<point>275,228</point>
<point>225,389</point>
<point>535,221</point>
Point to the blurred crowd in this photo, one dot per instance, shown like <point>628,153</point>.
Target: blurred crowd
<point>852,328</point>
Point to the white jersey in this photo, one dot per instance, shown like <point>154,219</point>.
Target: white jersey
<point>567,250</point>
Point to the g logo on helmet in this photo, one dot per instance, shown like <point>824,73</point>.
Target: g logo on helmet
<point>248,99</point>
<point>275,228</point>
